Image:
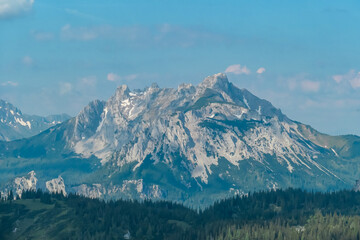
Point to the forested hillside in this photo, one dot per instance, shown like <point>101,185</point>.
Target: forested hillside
<point>289,214</point>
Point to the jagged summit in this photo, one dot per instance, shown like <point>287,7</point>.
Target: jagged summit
<point>6,107</point>
<point>5,103</point>
<point>122,92</point>
<point>88,120</point>
<point>154,85</point>
<point>218,80</point>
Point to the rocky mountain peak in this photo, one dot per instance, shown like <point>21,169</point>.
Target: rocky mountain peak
<point>95,105</point>
<point>122,92</point>
<point>185,86</point>
<point>4,103</point>
<point>6,107</point>
<point>88,119</point>
<point>154,85</point>
<point>216,81</point>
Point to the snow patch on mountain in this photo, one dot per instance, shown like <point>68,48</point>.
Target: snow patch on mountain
<point>22,122</point>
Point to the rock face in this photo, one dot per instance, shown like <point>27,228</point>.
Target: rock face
<point>356,187</point>
<point>193,144</point>
<point>56,185</point>
<point>202,124</point>
<point>25,183</point>
<point>127,189</point>
<point>15,125</point>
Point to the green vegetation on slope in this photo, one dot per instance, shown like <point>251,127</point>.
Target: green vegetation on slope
<point>289,214</point>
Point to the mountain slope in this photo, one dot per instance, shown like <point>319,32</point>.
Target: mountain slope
<point>193,144</point>
<point>347,146</point>
<point>15,125</point>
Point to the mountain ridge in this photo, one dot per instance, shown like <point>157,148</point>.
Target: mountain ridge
<point>16,125</point>
<point>193,144</point>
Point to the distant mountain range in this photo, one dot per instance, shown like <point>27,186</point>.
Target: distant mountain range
<point>16,125</point>
<point>193,144</point>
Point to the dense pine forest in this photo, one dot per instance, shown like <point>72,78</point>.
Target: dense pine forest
<point>281,214</point>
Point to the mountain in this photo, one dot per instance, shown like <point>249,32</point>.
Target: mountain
<point>193,144</point>
<point>15,125</point>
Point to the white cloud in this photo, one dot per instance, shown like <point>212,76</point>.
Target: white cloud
<point>9,83</point>
<point>352,77</point>
<point>79,14</point>
<point>170,35</point>
<point>28,61</point>
<point>355,82</point>
<point>338,78</point>
<point>66,27</point>
<point>292,84</point>
<point>42,36</point>
<point>114,77</point>
<point>11,8</point>
<point>81,34</point>
<point>165,35</point>
<point>65,88</point>
<point>237,69</point>
<point>261,70</point>
<point>89,81</point>
<point>130,77</point>
<point>310,86</point>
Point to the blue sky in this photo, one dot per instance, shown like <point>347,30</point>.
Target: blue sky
<point>303,56</point>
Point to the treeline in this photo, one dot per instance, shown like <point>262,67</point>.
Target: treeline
<point>282,214</point>
<point>319,226</point>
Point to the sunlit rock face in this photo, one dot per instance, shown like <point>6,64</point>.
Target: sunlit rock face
<point>25,183</point>
<point>203,124</point>
<point>56,185</point>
